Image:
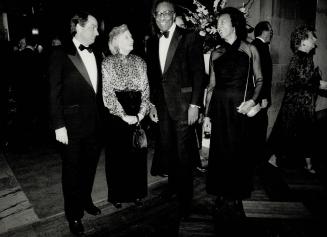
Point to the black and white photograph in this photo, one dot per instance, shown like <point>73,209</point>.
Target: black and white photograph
<point>163,118</point>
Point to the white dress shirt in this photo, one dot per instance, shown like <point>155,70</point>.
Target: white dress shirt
<point>89,63</point>
<point>164,46</point>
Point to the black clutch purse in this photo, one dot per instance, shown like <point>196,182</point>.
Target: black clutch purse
<point>130,101</point>
<point>139,139</point>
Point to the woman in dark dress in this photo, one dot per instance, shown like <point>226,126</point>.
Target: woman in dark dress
<point>126,95</point>
<point>292,134</point>
<point>234,69</point>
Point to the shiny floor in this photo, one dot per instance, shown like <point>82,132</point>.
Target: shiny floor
<point>31,202</point>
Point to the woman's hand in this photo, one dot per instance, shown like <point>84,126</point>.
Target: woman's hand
<point>62,135</point>
<point>153,114</point>
<point>323,85</point>
<point>130,119</point>
<point>206,125</point>
<point>245,107</point>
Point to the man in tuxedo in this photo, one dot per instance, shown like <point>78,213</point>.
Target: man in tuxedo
<point>176,76</point>
<point>263,34</point>
<point>76,109</point>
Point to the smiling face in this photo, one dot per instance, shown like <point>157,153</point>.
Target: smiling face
<point>225,28</point>
<point>125,42</point>
<point>164,16</point>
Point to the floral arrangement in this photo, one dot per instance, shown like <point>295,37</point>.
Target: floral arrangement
<point>203,21</point>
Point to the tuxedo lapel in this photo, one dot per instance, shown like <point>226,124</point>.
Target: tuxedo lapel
<point>155,56</point>
<point>77,61</point>
<point>172,48</point>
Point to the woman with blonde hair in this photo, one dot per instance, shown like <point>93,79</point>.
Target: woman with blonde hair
<point>126,96</point>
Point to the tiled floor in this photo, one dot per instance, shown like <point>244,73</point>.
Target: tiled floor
<point>15,208</point>
<point>31,203</point>
<point>33,191</point>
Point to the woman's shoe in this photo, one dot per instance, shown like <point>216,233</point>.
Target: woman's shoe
<point>117,205</point>
<point>138,202</point>
<point>310,170</point>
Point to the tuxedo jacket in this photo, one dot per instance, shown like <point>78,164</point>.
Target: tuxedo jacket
<point>74,103</point>
<point>266,68</point>
<point>181,83</point>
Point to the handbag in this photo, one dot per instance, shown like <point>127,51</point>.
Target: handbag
<point>139,139</point>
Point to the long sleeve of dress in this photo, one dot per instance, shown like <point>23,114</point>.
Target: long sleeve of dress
<point>212,82</point>
<point>258,81</point>
<point>109,96</point>
<point>145,90</point>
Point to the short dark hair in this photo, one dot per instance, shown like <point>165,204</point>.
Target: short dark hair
<point>238,21</point>
<point>300,33</point>
<point>261,27</point>
<point>78,18</point>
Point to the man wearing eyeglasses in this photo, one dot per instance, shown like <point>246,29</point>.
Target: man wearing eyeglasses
<point>176,76</point>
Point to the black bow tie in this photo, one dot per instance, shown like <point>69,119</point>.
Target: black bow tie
<point>165,33</point>
<point>82,47</point>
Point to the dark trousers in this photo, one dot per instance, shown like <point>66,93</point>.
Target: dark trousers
<point>159,164</point>
<point>79,162</point>
<point>177,138</point>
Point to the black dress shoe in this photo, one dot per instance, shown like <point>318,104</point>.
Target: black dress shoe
<point>93,210</point>
<point>76,227</point>
<point>117,205</point>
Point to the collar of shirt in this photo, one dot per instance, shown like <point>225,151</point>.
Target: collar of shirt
<point>171,32</point>
<point>164,46</point>
<point>261,39</point>
<point>89,63</point>
<point>77,44</point>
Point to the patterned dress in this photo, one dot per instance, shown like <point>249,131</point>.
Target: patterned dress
<point>292,134</point>
<point>125,92</point>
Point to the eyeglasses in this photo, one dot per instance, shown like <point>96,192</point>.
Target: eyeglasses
<point>164,14</point>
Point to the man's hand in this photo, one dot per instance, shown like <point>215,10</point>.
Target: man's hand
<point>193,114</point>
<point>264,103</point>
<point>153,114</point>
<point>130,119</point>
<point>61,135</point>
<point>206,125</point>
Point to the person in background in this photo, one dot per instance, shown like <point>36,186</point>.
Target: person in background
<point>126,95</point>
<point>230,95</point>
<point>28,89</point>
<point>180,22</point>
<point>263,34</point>
<point>56,41</point>
<point>176,75</point>
<point>292,134</point>
<point>76,110</point>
